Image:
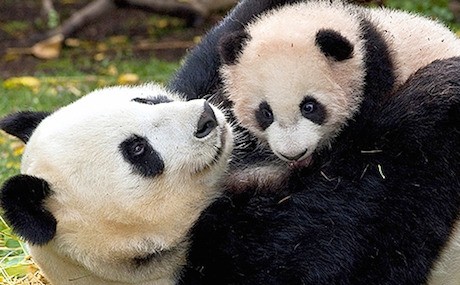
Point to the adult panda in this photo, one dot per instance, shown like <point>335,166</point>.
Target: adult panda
<point>111,184</point>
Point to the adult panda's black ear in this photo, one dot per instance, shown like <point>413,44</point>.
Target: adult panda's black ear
<point>22,124</point>
<point>231,45</point>
<point>334,45</point>
<point>22,198</point>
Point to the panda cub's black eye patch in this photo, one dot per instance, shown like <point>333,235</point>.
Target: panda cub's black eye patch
<point>264,115</point>
<point>153,100</point>
<point>313,110</point>
<point>138,152</point>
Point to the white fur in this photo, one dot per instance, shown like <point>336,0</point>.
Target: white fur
<point>447,267</point>
<point>281,64</point>
<point>415,41</point>
<point>106,214</point>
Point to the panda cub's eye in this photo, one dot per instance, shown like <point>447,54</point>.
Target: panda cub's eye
<point>308,107</point>
<point>267,114</point>
<point>313,110</point>
<point>264,115</point>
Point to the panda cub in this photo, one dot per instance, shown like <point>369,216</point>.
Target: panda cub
<point>298,73</point>
<point>111,184</point>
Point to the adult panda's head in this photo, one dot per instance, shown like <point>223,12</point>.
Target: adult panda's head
<point>296,75</point>
<point>111,184</point>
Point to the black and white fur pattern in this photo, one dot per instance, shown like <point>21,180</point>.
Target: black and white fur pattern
<point>199,77</point>
<point>297,74</point>
<point>111,184</point>
<point>380,206</point>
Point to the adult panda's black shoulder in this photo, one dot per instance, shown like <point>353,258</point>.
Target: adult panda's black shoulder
<point>378,207</point>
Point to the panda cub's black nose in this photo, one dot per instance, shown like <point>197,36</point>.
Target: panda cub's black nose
<point>206,123</point>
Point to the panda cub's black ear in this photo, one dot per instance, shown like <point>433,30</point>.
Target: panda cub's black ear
<point>22,198</point>
<point>231,45</point>
<point>22,124</point>
<point>334,45</point>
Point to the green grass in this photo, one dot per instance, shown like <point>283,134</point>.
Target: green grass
<point>57,84</point>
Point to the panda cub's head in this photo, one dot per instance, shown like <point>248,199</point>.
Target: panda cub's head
<point>111,184</point>
<point>295,75</point>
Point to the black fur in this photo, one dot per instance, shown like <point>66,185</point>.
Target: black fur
<point>264,115</point>
<point>22,198</point>
<point>376,208</point>
<point>140,154</point>
<point>333,44</point>
<point>199,74</point>
<point>380,77</point>
<point>230,46</point>
<point>22,124</point>
<point>160,99</point>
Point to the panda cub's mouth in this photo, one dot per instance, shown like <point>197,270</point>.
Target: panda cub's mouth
<point>305,162</point>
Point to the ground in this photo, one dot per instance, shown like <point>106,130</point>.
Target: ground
<point>22,24</point>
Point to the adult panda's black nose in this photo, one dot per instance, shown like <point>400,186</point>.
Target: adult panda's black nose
<point>206,123</point>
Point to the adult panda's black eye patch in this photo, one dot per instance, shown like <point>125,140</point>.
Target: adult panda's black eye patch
<point>138,152</point>
<point>153,100</point>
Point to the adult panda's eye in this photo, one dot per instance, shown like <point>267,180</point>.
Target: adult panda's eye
<point>144,159</point>
<point>138,148</point>
<point>264,115</point>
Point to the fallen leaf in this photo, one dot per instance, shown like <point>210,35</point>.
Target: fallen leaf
<point>128,78</point>
<point>118,39</point>
<point>112,70</point>
<point>25,81</point>
<point>72,42</point>
<point>99,56</point>
<point>46,49</point>
<point>49,48</point>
